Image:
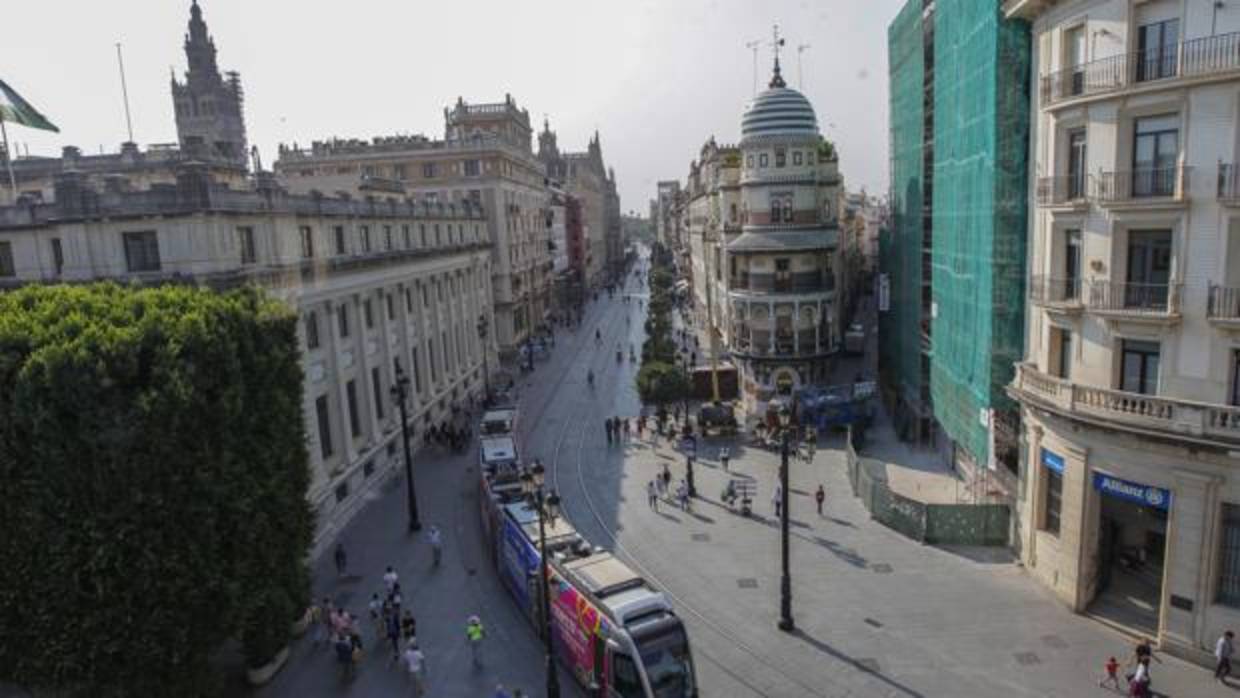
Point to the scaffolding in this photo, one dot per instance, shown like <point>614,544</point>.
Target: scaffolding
<point>981,128</point>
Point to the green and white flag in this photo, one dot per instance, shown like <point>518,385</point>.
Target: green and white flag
<point>17,110</point>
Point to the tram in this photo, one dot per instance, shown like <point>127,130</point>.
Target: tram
<point>618,635</point>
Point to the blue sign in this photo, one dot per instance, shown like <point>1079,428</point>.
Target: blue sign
<point>1146,495</point>
<point>1052,460</point>
<point>518,560</point>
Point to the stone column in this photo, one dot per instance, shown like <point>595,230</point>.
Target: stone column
<point>344,351</point>
<point>1191,543</point>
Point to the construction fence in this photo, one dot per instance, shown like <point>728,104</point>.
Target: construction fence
<point>932,524</point>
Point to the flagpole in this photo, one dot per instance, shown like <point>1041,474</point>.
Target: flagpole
<point>8,158</point>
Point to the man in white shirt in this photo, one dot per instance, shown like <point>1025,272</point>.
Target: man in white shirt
<point>1222,653</point>
<point>415,664</point>
<point>389,579</point>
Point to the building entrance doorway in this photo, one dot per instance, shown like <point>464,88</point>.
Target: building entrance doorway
<point>1132,544</point>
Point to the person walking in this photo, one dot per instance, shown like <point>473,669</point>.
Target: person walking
<point>819,497</point>
<point>777,500</point>
<point>408,626</point>
<point>723,458</point>
<point>415,665</point>
<point>666,477</point>
<point>1112,674</point>
<point>390,578</point>
<point>393,635</point>
<point>607,428</point>
<point>652,495</point>
<point>377,609</point>
<point>344,654</point>
<point>1139,684</point>
<point>1222,654</point>
<point>474,635</point>
<point>395,599</point>
<point>436,541</point>
<point>342,560</point>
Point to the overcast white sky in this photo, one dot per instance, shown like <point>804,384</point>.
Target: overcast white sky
<point>656,77</point>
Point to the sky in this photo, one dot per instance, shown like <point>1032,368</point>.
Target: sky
<point>656,78</point>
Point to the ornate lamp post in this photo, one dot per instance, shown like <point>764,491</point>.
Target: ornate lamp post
<point>482,337</point>
<point>785,581</point>
<point>547,504</point>
<point>400,395</point>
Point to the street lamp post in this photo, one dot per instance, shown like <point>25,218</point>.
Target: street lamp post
<point>400,395</point>
<point>482,337</point>
<point>785,581</point>
<point>548,507</point>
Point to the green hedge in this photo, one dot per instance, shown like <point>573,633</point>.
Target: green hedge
<point>154,463</point>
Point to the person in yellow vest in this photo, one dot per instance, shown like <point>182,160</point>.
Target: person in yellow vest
<point>474,634</point>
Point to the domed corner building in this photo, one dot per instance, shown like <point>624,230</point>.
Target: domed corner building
<point>782,311</point>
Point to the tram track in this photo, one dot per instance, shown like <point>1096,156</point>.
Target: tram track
<point>583,419</point>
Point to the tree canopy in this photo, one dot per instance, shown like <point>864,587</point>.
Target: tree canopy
<point>153,455</point>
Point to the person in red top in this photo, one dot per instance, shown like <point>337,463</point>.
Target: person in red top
<point>1112,677</point>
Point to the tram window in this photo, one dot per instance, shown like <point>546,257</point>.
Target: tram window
<point>625,681</point>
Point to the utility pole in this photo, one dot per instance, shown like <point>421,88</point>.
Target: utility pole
<point>120,61</point>
<point>753,46</point>
<point>800,73</point>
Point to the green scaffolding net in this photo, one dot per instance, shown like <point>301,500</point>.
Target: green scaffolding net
<point>900,245</point>
<point>981,128</point>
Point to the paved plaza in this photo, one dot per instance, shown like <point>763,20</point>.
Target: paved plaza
<point>876,614</point>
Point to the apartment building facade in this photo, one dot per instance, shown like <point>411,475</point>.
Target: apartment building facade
<point>486,156</point>
<point>1130,386</point>
<point>375,285</point>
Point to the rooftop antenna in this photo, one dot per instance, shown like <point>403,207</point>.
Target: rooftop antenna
<point>120,61</point>
<point>753,46</point>
<point>800,72</point>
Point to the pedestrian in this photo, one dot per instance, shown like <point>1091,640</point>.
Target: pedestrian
<point>415,664</point>
<point>723,458</point>
<point>819,497</point>
<point>408,626</point>
<point>376,609</point>
<point>473,635</point>
<point>666,477</point>
<point>358,652</point>
<point>393,635</point>
<point>390,578</point>
<point>628,427</point>
<point>607,428</point>
<point>436,541</point>
<point>395,599</point>
<point>1222,653</point>
<point>652,495</point>
<point>323,628</point>
<point>641,423</point>
<point>344,654</point>
<point>342,560</point>
<point>1143,650</point>
<point>777,500</point>
<point>501,692</point>
<point>1139,684</point>
<point>682,493</point>
<point>1112,674</point>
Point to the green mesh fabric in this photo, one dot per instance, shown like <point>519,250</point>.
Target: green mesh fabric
<point>900,245</point>
<point>981,129</point>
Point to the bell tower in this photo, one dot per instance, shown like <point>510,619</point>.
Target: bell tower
<point>209,105</point>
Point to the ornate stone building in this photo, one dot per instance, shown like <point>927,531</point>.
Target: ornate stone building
<point>485,157</point>
<point>587,178</point>
<point>209,106</point>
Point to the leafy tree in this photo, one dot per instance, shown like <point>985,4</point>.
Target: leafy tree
<point>153,455</point>
<point>660,383</point>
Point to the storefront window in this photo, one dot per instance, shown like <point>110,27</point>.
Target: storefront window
<point>1054,495</point>
<point>1229,558</point>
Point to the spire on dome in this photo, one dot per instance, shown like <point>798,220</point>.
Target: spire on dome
<point>777,42</point>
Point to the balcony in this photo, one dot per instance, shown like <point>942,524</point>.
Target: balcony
<point>1228,191</point>
<point>1141,302</point>
<point>1223,306</point>
<point>1063,294</point>
<point>1199,58</point>
<point>1203,422</point>
<point>1067,191</point>
<point>1144,187</point>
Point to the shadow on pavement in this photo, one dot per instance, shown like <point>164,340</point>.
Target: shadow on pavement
<point>846,554</point>
<point>836,654</point>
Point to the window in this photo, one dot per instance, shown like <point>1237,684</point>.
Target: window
<point>342,318</point>
<point>312,330</point>
<point>376,385</point>
<point>387,237</point>
<point>1155,149</point>
<point>780,157</point>
<point>1235,377</point>
<point>141,251</point>
<point>1139,367</point>
<point>430,356</point>
<point>625,680</point>
<point>1156,50</point>
<point>471,168</point>
<point>6,259</point>
<point>368,314</point>
<point>438,239</point>
<point>1149,269</point>
<point>796,157</point>
<point>732,213</point>
<point>1061,352</point>
<point>1229,558</point>
<point>325,426</point>
<point>1074,58</point>
<point>422,233</point>
<point>338,234</point>
<point>1053,502</point>
<point>749,162</point>
<point>391,307</point>
<point>58,257</point>
<point>426,298</point>
<point>245,240</point>
<point>365,237</point>
<point>417,375</point>
<point>447,351</point>
<point>355,421</point>
<point>307,242</point>
<point>342,491</point>
<point>428,170</point>
<point>762,160</point>
<point>404,230</point>
<point>399,172</point>
<point>408,300</point>
<point>1076,164</point>
<point>783,275</point>
<point>1072,265</point>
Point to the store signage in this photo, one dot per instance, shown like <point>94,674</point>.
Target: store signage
<point>1147,495</point>
<point>1052,460</point>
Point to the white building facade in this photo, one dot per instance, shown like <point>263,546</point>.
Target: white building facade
<point>1130,501</point>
